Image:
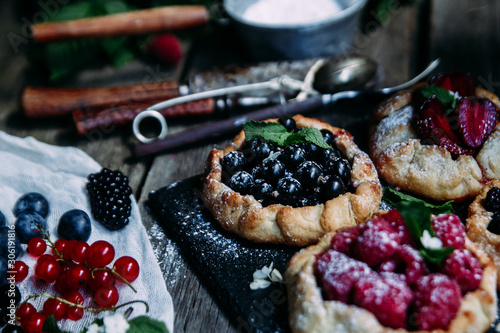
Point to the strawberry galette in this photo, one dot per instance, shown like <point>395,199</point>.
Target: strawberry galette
<point>440,140</point>
<point>289,181</point>
<point>483,223</point>
<point>385,276</point>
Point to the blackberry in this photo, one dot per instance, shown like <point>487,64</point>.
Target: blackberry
<point>109,195</point>
<point>494,225</point>
<point>492,201</point>
<point>288,122</point>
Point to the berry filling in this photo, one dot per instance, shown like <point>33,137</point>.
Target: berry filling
<point>492,204</point>
<point>378,266</point>
<point>296,174</point>
<point>450,115</point>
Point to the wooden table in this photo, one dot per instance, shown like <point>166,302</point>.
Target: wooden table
<point>465,34</point>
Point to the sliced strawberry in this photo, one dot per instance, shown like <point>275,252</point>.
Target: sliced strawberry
<point>476,119</point>
<point>433,125</point>
<point>460,82</point>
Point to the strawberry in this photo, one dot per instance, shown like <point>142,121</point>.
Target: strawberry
<point>167,48</point>
<point>460,82</point>
<point>476,119</point>
<point>433,124</point>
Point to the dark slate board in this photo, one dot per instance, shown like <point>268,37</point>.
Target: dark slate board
<point>224,262</point>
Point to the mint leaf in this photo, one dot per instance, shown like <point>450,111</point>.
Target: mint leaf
<point>50,325</point>
<point>436,256</point>
<point>444,96</point>
<point>144,324</point>
<point>275,132</point>
<point>394,197</point>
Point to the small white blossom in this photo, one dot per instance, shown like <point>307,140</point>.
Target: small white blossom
<point>94,328</point>
<point>429,242</point>
<point>116,323</point>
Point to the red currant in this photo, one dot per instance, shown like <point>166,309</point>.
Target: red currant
<point>34,323</point>
<point>21,270</point>
<point>55,307</point>
<point>48,270</point>
<point>101,253</point>
<point>106,297</point>
<point>100,278</point>
<point>75,313</point>
<point>127,267</point>
<point>37,247</point>
<point>60,244</point>
<point>23,311</point>
<point>79,252</point>
<point>77,276</point>
<point>66,253</point>
<point>62,284</point>
<point>44,257</point>
<point>74,296</point>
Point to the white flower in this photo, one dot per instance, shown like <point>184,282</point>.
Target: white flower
<point>429,242</point>
<point>94,328</point>
<point>116,324</point>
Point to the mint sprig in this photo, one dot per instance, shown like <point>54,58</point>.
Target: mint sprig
<point>447,98</point>
<point>275,132</point>
<point>417,215</point>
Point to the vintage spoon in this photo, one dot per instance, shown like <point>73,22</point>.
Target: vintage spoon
<point>218,128</point>
<point>330,76</point>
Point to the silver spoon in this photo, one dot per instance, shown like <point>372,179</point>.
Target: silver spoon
<point>223,127</point>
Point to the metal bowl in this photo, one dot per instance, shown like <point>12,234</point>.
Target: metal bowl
<point>322,37</point>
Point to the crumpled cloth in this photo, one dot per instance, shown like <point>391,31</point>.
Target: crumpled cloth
<point>60,174</point>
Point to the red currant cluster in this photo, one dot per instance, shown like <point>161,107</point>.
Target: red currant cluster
<point>71,266</point>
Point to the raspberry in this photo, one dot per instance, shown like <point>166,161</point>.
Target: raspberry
<point>167,48</point>
<point>449,229</point>
<point>109,194</point>
<point>338,273</point>
<point>492,201</point>
<point>397,223</point>
<point>465,268</point>
<point>377,242</point>
<point>437,300</point>
<point>413,264</point>
<point>387,298</point>
<point>344,241</point>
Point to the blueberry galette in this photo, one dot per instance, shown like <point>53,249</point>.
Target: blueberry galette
<point>483,223</point>
<point>383,276</point>
<point>289,181</point>
<point>439,140</point>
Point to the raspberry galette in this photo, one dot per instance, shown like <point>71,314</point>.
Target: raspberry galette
<point>289,181</point>
<point>483,223</point>
<point>439,140</point>
<point>377,277</point>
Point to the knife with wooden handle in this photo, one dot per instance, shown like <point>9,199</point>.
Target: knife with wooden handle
<point>137,22</point>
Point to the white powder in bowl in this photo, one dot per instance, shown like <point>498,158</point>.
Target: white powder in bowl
<point>290,11</point>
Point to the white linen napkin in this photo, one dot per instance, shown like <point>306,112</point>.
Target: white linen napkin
<point>60,174</point>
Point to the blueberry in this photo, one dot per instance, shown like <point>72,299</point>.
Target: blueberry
<point>233,161</point>
<point>3,271</point>
<point>311,149</point>
<point>258,149</point>
<point>332,187</point>
<point>272,170</point>
<point>289,190</point>
<point>339,167</point>
<point>3,221</point>
<point>288,122</point>
<point>12,329</point>
<point>261,190</point>
<point>292,156</point>
<point>325,155</point>
<point>7,236</point>
<point>32,202</point>
<point>27,226</point>
<point>308,173</point>
<point>241,182</point>
<point>74,225</point>
<point>328,137</point>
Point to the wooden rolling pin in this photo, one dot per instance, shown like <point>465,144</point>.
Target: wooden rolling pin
<point>138,22</point>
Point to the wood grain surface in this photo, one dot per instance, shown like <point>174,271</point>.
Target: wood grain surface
<point>465,34</point>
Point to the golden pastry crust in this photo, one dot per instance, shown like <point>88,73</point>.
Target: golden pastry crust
<point>428,170</point>
<point>309,312</point>
<point>281,224</point>
<point>476,227</point>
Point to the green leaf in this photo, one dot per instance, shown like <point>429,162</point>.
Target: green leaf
<point>394,197</point>
<point>117,50</point>
<point>50,325</point>
<point>144,324</point>
<point>444,96</point>
<point>275,132</point>
<point>436,256</point>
